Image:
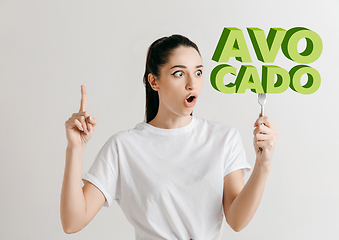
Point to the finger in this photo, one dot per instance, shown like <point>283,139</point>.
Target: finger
<point>83,102</point>
<point>90,121</point>
<point>78,125</point>
<point>260,120</point>
<point>262,129</point>
<point>89,125</point>
<point>86,117</point>
<point>263,120</point>
<point>84,114</point>
<point>82,120</point>
<point>262,137</point>
<point>260,144</point>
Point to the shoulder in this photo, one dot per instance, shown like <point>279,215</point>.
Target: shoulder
<point>216,127</point>
<point>124,135</point>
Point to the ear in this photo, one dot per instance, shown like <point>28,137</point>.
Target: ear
<point>153,82</point>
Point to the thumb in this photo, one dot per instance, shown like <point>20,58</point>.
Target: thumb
<point>92,120</point>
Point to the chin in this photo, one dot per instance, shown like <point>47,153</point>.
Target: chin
<point>189,114</point>
<point>185,113</point>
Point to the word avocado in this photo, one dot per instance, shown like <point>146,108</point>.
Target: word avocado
<point>232,44</point>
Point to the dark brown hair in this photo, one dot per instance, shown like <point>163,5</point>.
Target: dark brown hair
<point>157,56</point>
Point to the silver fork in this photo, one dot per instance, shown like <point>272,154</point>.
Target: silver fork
<point>261,101</point>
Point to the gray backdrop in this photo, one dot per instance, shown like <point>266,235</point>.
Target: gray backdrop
<point>49,48</point>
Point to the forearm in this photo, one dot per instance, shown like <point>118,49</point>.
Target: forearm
<point>72,202</point>
<point>244,206</point>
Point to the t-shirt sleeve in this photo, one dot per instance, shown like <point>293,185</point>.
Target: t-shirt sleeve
<point>104,171</point>
<point>236,156</point>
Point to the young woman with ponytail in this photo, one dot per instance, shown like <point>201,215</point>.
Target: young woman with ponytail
<point>174,175</point>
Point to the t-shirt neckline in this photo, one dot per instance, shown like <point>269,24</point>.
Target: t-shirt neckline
<point>170,131</point>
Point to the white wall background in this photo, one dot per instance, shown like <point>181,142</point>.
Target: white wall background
<point>49,48</point>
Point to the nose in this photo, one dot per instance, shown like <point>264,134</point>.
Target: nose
<point>190,82</point>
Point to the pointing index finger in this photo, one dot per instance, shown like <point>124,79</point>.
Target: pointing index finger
<point>83,102</point>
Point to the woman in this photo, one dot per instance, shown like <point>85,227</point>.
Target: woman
<point>174,175</point>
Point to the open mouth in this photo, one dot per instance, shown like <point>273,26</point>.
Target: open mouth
<point>190,99</point>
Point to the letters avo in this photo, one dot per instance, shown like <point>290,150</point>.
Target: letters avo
<point>232,44</point>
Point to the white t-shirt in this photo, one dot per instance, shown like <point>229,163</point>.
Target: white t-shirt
<point>169,182</point>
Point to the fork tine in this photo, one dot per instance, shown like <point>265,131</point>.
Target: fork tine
<point>262,98</point>
<point>262,101</point>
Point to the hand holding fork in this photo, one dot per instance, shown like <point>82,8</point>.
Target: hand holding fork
<point>265,135</point>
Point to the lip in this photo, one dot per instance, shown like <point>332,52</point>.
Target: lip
<point>191,104</point>
<point>192,94</point>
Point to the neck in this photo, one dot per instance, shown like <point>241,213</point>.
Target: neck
<point>167,122</point>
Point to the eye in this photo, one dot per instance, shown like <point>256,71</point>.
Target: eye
<point>177,73</point>
<point>198,73</point>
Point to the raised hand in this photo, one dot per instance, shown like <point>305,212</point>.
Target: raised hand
<point>80,126</point>
<point>265,135</point>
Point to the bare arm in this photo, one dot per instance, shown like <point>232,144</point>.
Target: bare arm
<point>241,201</point>
<point>78,205</point>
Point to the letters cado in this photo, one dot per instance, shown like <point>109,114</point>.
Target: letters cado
<point>232,44</point>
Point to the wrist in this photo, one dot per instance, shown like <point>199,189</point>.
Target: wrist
<point>75,148</point>
<point>264,168</point>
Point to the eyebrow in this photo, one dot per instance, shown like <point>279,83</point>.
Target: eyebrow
<point>182,66</point>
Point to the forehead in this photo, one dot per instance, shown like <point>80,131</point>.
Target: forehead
<point>187,56</point>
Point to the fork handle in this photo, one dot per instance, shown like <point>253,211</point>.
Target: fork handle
<point>261,115</point>
<point>262,111</point>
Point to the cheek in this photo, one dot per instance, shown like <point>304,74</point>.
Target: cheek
<point>168,92</point>
<point>171,95</point>
<point>201,83</point>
